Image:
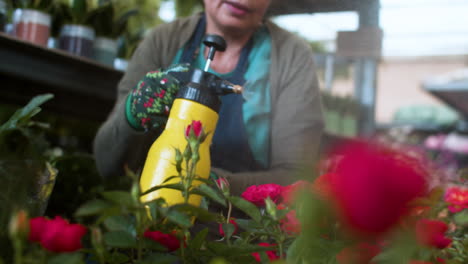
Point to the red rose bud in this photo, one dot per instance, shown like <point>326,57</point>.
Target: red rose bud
<point>290,224</point>
<point>271,254</point>
<point>231,221</point>
<point>361,253</point>
<point>196,128</point>
<point>373,186</point>
<point>19,225</point>
<point>170,241</point>
<point>257,194</point>
<point>56,235</point>
<point>223,184</point>
<point>289,193</point>
<point>431,233</point>
<point>457,198</point>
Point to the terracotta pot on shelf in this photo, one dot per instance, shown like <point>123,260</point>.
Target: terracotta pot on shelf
<point>77,39</point>
<point>32,26</point>
<point>105,50</point>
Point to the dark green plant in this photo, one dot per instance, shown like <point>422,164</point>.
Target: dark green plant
<point>78,12</point>
<point>41,5</point>
<point>109,22</point>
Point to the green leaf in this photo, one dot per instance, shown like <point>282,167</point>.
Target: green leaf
<point>74,258</point>
<point>92,208</point>
<point>221,249</point>
<point>170,178</point>
<point>205,190</point>
<point>200,213</point>
<point>247,207</point>
<point>119,197</point>
<point>119,239</point>
<point>174,186</point>
<point>228,229</point>
<point>119,223</point>
<point>118,258</point>
<point>179,218</point>
<point>160,258</point>
<point>198,240</point>
<point>461,218</point>
<point>23,115</point>
<point>248,225</point>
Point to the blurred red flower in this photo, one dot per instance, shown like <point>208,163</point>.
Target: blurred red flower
<point>361,253</point>
<point>56,235</point>
<point>432,233</point>
<point>457,198</point>
<point>170,241</point>
<point>373,186</point>
<point>233,222</point>
<point>271,254</point>
<point>257,194</point>
<point>290,224</point>
<point>419,262</point>
<point>289,193</point>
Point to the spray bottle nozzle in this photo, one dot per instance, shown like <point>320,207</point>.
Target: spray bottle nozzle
<point>223,87</point>
<point>216,43</point>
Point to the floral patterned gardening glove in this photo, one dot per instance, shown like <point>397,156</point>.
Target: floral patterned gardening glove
<point>149,102</point>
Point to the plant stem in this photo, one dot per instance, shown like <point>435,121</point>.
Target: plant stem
<point>229,212</point>
<point>18,251</point>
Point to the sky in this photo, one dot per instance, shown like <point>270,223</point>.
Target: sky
<point>411,27</point>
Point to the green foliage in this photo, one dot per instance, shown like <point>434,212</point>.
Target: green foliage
<point>41,5</point>
<point>185,8</point>
<point>111,18</point>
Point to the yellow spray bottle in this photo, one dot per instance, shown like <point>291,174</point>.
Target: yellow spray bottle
<point>198,100</point>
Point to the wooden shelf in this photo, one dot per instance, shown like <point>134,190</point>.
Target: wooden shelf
<point>82,87</point>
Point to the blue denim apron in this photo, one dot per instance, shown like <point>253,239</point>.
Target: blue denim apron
<point>230,149</point>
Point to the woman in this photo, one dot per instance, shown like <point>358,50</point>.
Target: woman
<point>263,139</point>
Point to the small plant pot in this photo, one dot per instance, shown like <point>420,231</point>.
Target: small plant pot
<point>105,50</point>
<point>3,15</point>
<point>32,26</point>
<point>77,40</point>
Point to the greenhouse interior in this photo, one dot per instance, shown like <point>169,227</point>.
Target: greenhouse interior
<point>233,131</point>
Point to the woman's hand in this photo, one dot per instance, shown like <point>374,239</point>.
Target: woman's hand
<point>149,102</point>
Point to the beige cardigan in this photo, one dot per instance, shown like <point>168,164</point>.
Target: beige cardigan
<point>296,117</point>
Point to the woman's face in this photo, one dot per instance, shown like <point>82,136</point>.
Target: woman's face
<point>243,15</point>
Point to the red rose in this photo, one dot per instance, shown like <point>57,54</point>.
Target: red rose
<point>432,233</point>
<point>233,222</point>
<point>440,260</point>
<point>373,186</point>
<point>222,184</point>
<point>290,224</point>
<point>288,193</point>
<point>457,198</point>
<point>196,127</point>
<point>322,186</point>
<point>170,241</point>
<point>257,194</point>
<point>56,235</point>
<point>361,253</point>
<point>271,254</point>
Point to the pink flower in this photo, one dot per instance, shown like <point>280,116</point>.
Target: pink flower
<point>195,127</point>
<point>233,222</point>
<point>289,193</point>
<point>373,186</point>
<point>56,235</point>
<point>290,224</point>
<point>170,241</point>
<point>361,253</point>
<point>271,254</point>
<point>257,194</point>
<point>432,233</point>
<point>457,198</point>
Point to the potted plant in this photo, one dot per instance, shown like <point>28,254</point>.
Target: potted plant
<point>31,20</point>
<point>77,35</point>
<point>110,22</point>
